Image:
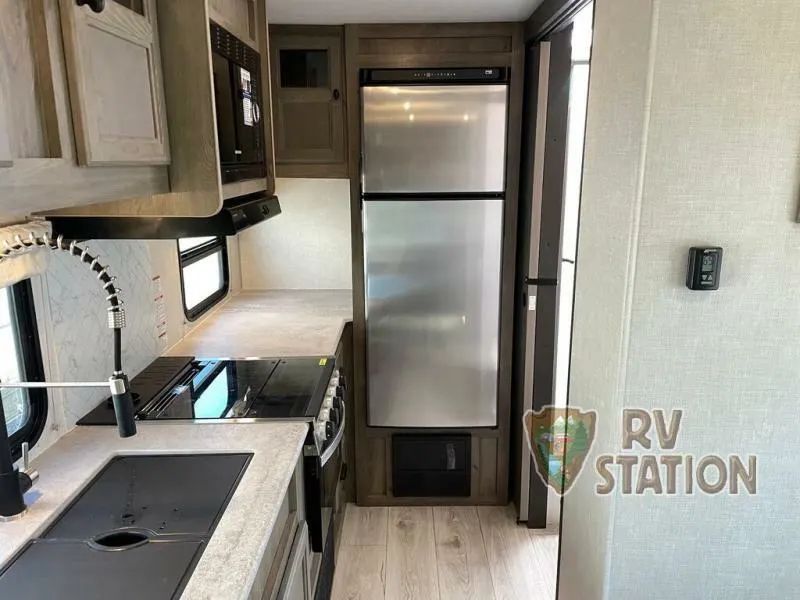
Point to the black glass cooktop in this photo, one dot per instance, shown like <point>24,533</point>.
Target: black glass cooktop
<point>184,388</point>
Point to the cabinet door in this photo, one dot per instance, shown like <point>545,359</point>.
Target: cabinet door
<point>296,584</point>
<point>307,85</point>
<point>115,83</point>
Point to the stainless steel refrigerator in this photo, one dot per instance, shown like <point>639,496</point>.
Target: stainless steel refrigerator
<point>433,185</point>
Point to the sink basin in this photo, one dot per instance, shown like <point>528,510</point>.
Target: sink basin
<point>137,530</point>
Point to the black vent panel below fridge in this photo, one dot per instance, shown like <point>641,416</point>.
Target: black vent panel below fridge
<point>431,465</point>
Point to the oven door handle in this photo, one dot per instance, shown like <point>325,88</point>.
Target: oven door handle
<point>337,440</point>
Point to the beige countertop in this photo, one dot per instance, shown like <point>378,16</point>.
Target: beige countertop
<point>261,324</point>
<point>228,567</point>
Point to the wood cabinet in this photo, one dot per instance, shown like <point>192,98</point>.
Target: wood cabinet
<point>85,99</point>
<point>286,566</point>
<point>237,16</point>
<point>296,577</point>
<point>115,83</point>
<point>308,101</point>
<point>40,141</point>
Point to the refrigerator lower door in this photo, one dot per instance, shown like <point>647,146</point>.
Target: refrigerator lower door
<point>428,138</point>
<point>433,311</point>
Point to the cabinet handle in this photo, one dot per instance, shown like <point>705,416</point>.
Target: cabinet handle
<point>96,5</point>
<point>336,94</point>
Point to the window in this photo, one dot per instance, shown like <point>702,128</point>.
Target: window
<point>25,410</point>
<point>204,273</point>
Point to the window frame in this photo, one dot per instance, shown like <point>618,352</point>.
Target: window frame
<point>189,257</point>
<point>23,323</point>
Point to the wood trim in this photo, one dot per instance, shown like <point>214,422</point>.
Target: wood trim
<point>527,250</point>
<point>262,29</point>
<point>365,487</point>
<point>405,30</point>
<point>509,262</point>
<point>405,61</point>
<point>45,85</point>
<point>222,14</point>
<point>33,183</point>
<point>307,30</point>
<point>373,445</point>
<point>242,188</point>
<point>550,16</point>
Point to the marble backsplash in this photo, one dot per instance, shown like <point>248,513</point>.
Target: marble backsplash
<point>77,344</point>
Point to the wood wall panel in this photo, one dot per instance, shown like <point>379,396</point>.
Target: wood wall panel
<point>488,471</point>
<point>375,468</point>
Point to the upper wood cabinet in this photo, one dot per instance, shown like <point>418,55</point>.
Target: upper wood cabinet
<point>308,101</point>
<point>237,16</point>
<point>115,82</point>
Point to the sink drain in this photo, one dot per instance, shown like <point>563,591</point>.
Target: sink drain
<point>119,540</point>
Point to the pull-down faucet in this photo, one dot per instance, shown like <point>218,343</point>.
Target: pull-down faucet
<point>14,483</point>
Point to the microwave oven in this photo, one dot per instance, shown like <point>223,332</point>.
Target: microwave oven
<point>238,98</point>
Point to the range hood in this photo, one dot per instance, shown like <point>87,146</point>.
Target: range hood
<point>236,215</point>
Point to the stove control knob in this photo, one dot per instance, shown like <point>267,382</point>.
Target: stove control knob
<point>337,404</point>
<point>330,430</point>
<point>335,416</point>
<point>320,431</point>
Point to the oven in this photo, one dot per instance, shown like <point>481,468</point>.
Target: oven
<point>324,470</point>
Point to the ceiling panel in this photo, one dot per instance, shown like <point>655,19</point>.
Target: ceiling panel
<point>338,12</point>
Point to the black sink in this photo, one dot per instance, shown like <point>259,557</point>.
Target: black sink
<point>136,531</point>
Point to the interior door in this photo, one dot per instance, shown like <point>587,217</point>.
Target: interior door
<point>548,118</point>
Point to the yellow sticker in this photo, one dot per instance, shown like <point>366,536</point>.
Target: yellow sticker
<point>323,362</point>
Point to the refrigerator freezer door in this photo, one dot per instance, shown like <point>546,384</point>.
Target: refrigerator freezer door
<point>428,139</point>
<point>433,303</point>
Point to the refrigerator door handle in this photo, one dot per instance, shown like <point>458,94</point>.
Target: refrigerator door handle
<point>542,281</point>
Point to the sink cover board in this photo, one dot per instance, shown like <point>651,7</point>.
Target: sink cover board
<point>167,494</point>
<point>169,503</point>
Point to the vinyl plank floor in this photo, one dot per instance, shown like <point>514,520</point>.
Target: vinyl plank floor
<point>365,525</point>
<point>411,572</point>
<point>443,553</point>
<point>545,561</point>
<point>509,550</point>
<point>360,573</point>
<point>460,555</point>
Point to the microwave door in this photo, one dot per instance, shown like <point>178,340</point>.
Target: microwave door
<point>248,115</point>
<point>226,113</point>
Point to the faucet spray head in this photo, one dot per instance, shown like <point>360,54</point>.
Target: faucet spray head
<point>123,405</point>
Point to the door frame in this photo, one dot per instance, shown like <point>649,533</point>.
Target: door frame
<point>539,249</point>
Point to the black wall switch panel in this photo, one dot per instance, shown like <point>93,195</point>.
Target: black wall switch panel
<point>705,266</point>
